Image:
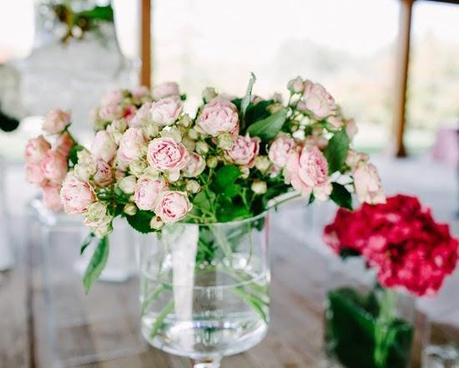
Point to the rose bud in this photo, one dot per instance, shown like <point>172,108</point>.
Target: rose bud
<point>193,186</point>
<point>165,89</point>
<point>36,149</point>
<point>262,163</point>
<point>212,162</point>
<point>296,85</point>
<point>56,121</point>
<point>127,184</point>
<point>208,94</point>
<point>103,146</point>
<point>130,209</point>
<point>225,141</point>
<point>156,223</point>
<point>202,148</point>
<point>259,187</point>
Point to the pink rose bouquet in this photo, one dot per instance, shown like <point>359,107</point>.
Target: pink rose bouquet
<point>155,164</point>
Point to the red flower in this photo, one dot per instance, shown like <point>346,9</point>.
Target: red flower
<point>401,240</point>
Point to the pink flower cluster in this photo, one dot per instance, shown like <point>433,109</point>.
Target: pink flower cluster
<point>401,240</point>
<point>46,164</point>
<point>149,155</point>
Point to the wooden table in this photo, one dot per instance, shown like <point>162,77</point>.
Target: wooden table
<point>106,321</point>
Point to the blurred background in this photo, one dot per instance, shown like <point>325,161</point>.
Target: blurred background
<point>393,65</point>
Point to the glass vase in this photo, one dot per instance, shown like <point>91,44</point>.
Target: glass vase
<point>205,288</point>
<point>367,325</point>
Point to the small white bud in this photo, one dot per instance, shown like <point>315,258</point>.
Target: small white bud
<point>259,187</point>
<point>156,223</point>
<point>202,148</point>
<point>208,94</point>
<point>127,184</point>
<point>225,141</point>
<point>193,186</point>
<point>212,162</point>
<point>130,209</point>
<point>262,163</point>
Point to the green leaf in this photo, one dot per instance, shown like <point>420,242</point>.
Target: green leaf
<point>86,242</point>
<point>257,111</point>
<point>225,177</point>
<point>141,221</point>
<point>232,213</point>
<point>341,196</point>
<point>73,155</point>
<point>96,264</point>
<point>248,95</point>
<point>336,151</point>
<point>268,128</point>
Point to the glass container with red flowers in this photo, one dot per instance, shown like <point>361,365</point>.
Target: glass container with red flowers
<point>393,252</point>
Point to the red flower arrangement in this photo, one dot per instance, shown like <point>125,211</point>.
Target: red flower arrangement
<point>401,240</point>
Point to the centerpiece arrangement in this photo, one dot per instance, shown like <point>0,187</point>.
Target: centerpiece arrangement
<point>204,183</point>
<point>405,252</point>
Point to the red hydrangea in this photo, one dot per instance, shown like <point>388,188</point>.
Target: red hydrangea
<point>400,239</point>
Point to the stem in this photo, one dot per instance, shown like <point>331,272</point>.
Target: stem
<point>148,301</point>
<point>382,333</point>
<point>159,320</point>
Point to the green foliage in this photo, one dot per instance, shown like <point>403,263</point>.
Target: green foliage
<point>225,177</point>
<point>352,327</point>
<point>336,151</point>
<point>269,127</point>
<point>86,242</point>
<point>98,13</point>
<point>257,111</point>
<point>96,264</point>
<point>341,196</point>
<point>73,155</point>
<point>141,221</point>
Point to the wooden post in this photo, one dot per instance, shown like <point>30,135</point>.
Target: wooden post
<point>145,43</point>
<point>401,81</point>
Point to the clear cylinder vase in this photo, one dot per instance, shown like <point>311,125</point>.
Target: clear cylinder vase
<point>205,288</point>
<point>367,325</point>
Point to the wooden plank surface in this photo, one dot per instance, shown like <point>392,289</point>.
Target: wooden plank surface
<point>102,329</point>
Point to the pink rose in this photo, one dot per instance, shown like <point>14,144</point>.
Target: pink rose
<point>36,149</point>
<point>166,111</point>
<point>317,99</point>
<point>351,128</point>
<point>368,184</point>
<point>146,193</point>
<point>129,112</point>
<point>103,175</point>
<point>166,89</point>
<point>34,174</point>
<point>110,112</point>
<point>172,206</point>
<point>114,97</point>
<point>165,154</point>
<point>51,197</point>
<point>56,121</point>
<point>142,116</point>
<point>76,195</point>
<point>307,172</point>
<point>244,151</point>
<point>64,144</point>
<point>54,167</point>
<point>131,145</point>
<point>103,146</point>
<point>195,166</point>
<point>280,150</point>
<point>140,92</point>
<point>219,116</point>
